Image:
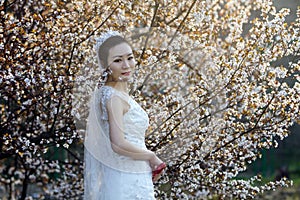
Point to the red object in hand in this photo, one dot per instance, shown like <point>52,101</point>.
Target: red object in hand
<point>158,170</point>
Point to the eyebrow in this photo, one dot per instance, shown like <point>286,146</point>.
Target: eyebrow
<point>122,55</point>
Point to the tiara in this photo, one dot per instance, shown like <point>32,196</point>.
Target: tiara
<point>101,39</point>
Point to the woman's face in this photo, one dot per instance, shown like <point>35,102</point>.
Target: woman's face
<point>121,62</point>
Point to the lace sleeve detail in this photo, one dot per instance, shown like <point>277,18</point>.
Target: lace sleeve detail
<point>105,94</point>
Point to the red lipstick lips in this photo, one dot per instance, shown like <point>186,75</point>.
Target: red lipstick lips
<point>126,73</point>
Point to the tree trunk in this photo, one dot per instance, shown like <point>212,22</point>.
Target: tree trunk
<point>25,186</point>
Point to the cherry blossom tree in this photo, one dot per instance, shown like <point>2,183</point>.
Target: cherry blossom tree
<point>219,86</point>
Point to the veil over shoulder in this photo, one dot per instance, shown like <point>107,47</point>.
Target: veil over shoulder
<point>106,172</point>
<point>97,140</point>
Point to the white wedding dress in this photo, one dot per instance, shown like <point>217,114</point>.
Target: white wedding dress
<point>108,175</point>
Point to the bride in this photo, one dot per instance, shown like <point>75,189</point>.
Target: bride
<point>118,166</point>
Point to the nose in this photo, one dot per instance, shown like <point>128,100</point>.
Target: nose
<point>125,64</point>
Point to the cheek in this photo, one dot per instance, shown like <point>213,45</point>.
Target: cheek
<point>115,68</point>
<point>132,63</point>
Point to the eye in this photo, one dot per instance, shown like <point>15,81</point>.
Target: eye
<point>117,60</point>
<point>130,57</point>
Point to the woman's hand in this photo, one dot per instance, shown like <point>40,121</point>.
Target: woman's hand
<point>154,162</point>
<point>157,166</point>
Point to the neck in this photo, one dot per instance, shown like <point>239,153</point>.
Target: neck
<point>119,85</point>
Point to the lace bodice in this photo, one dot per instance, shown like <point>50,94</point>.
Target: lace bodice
<point>135,120</point>
<point>135,123</point>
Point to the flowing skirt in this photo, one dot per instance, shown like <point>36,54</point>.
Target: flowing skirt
<point>104,183</point>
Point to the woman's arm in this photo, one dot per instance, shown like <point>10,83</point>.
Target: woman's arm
<point>116,109</point>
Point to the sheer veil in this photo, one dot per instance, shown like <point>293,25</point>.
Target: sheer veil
<point>96,142</point>
<point>96,146</point>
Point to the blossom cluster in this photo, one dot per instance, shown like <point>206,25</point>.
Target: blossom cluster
<point>218,85</point>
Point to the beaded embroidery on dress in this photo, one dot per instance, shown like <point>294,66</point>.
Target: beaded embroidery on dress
<point>108,175</point>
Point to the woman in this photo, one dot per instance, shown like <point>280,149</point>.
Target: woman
<point>118,166</point>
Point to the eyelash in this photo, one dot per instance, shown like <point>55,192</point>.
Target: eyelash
<point>118,60</point>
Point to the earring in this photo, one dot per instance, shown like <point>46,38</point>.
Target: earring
<point>104,77</point>
<point>109,71</point>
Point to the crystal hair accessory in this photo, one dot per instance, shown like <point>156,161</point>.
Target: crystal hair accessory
<point>101,39</point>
<point>104,77</point>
